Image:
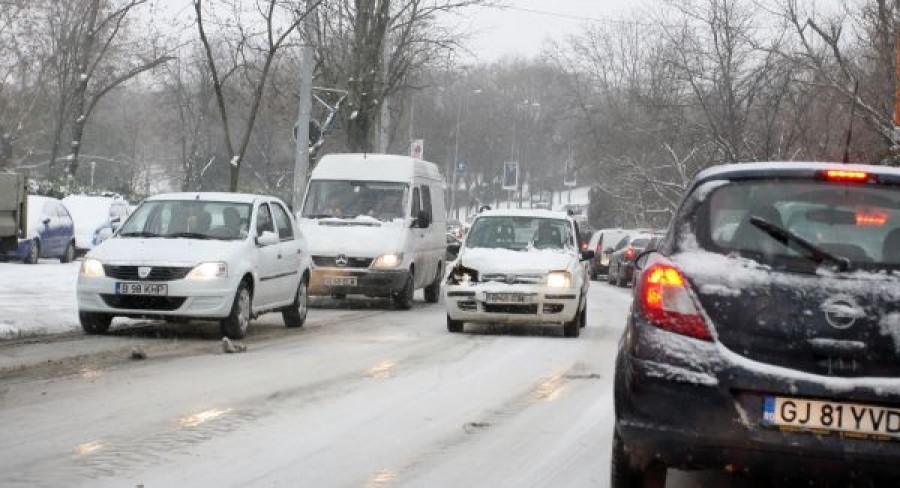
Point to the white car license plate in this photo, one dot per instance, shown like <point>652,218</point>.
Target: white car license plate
<point>508,298</point>
<point>341,281</point>
<point>852,418</point>
<point>150,289</point>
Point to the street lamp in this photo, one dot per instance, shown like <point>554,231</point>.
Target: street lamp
<point>456,148</point>
<point>523,105</point>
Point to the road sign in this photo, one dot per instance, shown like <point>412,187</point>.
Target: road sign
<point>511,175</point>
<point>461,166</point>
<point>570,179</point>
<point>417,149</point>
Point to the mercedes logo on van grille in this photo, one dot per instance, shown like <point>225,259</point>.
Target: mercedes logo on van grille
<point>144,271</point>
<point>341,260</point>
<point>842,311</point>
<point>511,279</point>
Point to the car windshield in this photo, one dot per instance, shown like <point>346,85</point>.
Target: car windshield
<point>381,200</point>
<point>189,219</point>
<point>520,233</point>
<point>859,224</point>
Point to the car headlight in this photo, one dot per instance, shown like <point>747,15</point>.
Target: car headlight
<point>559,279</point>
<point>92,268</point>
<point>208,271</point>
<point>388,260</point>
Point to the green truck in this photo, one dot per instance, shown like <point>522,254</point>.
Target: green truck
<point>13,210</point>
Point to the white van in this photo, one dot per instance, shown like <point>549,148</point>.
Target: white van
<point>376,226</point>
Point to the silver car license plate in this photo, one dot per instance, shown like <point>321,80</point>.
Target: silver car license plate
<point>148,289</point>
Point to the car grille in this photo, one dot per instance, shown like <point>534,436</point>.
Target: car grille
<point>329,262</point>
<point>157,273</point>
<point>511,309</point>
<point>514,279</point>
<point>136,302</point>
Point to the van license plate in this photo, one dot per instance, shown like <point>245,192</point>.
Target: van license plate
<point>341,281</point>
<point>816,415</point>
<point>148,289</point>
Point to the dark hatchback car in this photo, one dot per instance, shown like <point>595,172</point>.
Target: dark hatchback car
<point>764,337</point>
<point>621,261</point>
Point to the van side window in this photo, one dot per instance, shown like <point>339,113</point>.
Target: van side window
<point>285,230</point>
<point>426,201</point>
<point>416,203</point>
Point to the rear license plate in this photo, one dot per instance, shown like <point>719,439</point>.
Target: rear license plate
<point>341,281</point>
<point>150,289</point>
<point>816,415</point>
<point>508,298</point>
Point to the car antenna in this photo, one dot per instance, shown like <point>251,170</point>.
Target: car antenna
<point>850,128</point>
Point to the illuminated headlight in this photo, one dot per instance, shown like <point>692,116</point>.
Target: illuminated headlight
<point>92,268</point>
<point>209,271</point>
<point>559,279</point>
<point>388,260</point>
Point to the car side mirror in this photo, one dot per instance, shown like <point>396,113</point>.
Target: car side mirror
<point>587,254</point>
<point>454,248</point>
<point>268,238</point>
<point>115,220</point>
<point>640,262</point>
<point>46,221</point>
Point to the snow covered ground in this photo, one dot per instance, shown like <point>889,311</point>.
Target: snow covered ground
<point>37,299</point>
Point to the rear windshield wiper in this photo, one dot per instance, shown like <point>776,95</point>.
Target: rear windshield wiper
<point>784,236</point>
<point>138,234</point>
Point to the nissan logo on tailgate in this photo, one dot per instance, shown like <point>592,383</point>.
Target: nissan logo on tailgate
<point>842,311</point>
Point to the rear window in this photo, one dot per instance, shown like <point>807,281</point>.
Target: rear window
<point>858,222</point>
<point>640,242</point>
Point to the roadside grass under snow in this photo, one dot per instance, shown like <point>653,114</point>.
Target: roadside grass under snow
<point>37,299</point>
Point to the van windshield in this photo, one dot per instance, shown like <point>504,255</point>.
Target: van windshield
<point>380,200</point>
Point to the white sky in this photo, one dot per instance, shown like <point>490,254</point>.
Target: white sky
<point>495,32</point>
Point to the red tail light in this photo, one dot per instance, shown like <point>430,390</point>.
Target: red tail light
<point>584,246</point>
<point>846,176</point>
<point>871,219</point>
<point>629,253</point>
<point>666,302</point>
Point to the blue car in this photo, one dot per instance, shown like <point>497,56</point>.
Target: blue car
<point>51,233</point>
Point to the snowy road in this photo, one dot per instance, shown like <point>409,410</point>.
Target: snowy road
<point>361,397</point>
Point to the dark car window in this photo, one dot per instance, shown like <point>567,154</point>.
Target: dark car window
<point>622,243</point>
<point>640,242</point>
<point>860,222</point>
<point>264,220</point>
<point>285,229</point>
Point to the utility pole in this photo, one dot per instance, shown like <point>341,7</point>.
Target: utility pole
<point>455,160</point>
<point>301,142</point>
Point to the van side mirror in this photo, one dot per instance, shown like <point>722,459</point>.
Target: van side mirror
<point>268,238</point>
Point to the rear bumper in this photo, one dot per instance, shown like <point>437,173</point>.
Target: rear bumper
<point>701,411</point>
<point>368,282</point>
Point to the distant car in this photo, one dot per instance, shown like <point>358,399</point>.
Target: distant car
<point>519,267</point>
<point>214,256</point>
<point>50,233</point>
<point>603,242</point>
<point>455,227</point>
<point>621,261</point>
<point>764,335</point>
<point>96,218</point>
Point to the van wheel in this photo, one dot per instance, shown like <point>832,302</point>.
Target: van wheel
<point>235,325</point>
<point>623,475</point>
<point>69,255</point>
<point>403,299</point>
<point>34,252</point>
<point>94,323</point>
<point>295,315</point>
<point>454,326</point>
<point>433,291</point>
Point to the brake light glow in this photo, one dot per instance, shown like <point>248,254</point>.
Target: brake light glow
<point>871,219</point>
<point>666,302</point>
<point>846,176</point>
<point>629,253</point>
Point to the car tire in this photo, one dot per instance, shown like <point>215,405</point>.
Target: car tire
<point>403,299</point>
<point>34,253</point>
<point>238,321</point>
<point>573,328</point>
<point>620,280</point>
<point>623,475</point>
<point>610,277</point>
<point>433,291</point>
<point>454,326</point>
<point>94,323</point>
<point>69,254</point>
<point>295,315</point>
<point>583,319</point>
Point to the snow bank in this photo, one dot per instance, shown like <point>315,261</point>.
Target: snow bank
<point>37,299</point>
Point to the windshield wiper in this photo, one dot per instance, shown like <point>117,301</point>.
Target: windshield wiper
<point>190,235</point>
<point>784,236</point>
<point>139,234</point>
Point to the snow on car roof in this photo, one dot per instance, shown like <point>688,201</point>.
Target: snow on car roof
<point>373,167</point>
<point>786,166</point>
<point>524,212</point>
<point>208,197</point>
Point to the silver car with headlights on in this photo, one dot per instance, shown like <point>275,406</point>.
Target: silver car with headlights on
<point>520,267</point>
